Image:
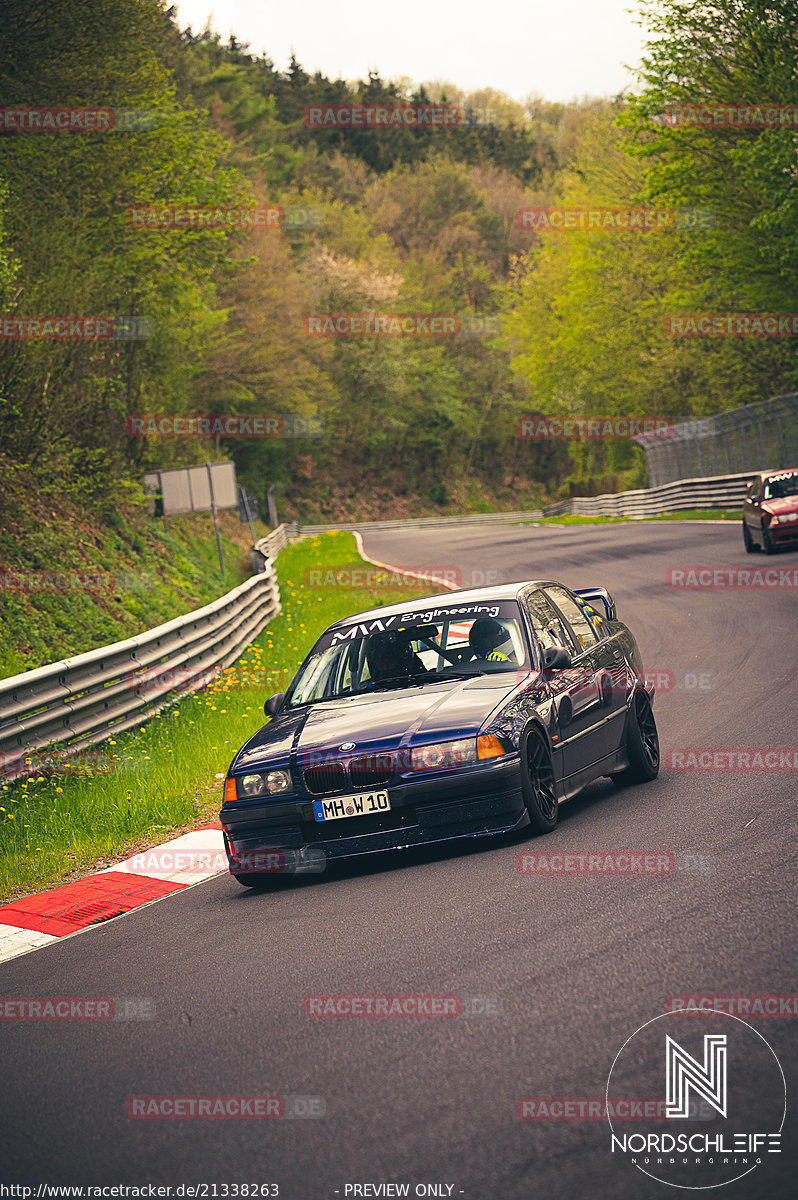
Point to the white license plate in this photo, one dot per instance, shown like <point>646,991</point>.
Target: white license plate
<point>351,806</point>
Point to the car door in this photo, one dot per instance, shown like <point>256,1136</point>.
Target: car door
<point>604,658</point>
<point>574,689</point>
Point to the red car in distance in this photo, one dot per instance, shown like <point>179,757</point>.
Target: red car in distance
<point>770,511</point>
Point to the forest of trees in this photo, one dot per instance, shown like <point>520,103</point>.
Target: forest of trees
<point>383,221</point>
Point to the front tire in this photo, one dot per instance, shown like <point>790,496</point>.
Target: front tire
<point>750,545</point>
<point>642,744</point>
<point>537,782</point>
<point>767,544</point>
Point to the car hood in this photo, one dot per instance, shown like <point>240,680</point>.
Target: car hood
<point>780,506</point>
<point>382,720</point>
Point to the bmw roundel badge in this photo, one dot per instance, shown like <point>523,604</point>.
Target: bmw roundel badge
<point>347,746</point>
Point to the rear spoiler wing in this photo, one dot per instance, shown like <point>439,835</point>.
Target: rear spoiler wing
<point>601,597</point>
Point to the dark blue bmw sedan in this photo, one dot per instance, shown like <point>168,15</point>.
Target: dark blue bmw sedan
<point>462,715</point>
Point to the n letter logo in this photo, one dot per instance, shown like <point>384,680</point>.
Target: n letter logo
<point>707,1080</point>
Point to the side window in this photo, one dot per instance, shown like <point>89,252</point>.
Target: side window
<point>549,627</point>
<point>753,491</point>
<point>577,618</point>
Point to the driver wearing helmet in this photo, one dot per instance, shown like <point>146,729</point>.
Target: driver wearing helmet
<point>591,612</point>
<point>389,656</point>
<point>485,636</point>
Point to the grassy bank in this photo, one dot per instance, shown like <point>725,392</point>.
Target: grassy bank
<point>161,778</point>
<point>684,514</point>
<point>77,573</point>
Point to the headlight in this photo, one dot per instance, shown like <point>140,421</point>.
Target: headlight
<point>253,785</point>
<point>443,755</point>
<point>272,783</point>
<point>277,781</point>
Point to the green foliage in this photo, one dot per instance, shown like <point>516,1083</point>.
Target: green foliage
<point>382,220</point>
<point>586,310</point>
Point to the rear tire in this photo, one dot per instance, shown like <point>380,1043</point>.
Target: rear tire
<point>642,744</point>
<point>537,782</point>
<point>750,545</point>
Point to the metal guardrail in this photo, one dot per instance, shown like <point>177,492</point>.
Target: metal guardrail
<point>500,518</point>
<point>720,491</point>
<point>736,440</point>
<point>82,700</point>
<point>277,540</point>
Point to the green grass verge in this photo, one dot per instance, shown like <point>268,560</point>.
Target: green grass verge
<point>684,514</point>
<point>159,779</point>
<point>71,581</point>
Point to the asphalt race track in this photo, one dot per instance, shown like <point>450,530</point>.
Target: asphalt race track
<point>568,965</point>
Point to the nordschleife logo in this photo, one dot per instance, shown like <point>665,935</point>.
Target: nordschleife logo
<point>724,1101</point>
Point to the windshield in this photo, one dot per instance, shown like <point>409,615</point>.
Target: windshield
<point>368,657</point>
<point>778,486</point>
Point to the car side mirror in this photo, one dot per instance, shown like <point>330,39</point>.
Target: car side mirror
<point>555,658</point>
<point>273,703</point>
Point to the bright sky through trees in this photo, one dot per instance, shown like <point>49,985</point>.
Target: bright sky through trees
<point>558,49</point>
